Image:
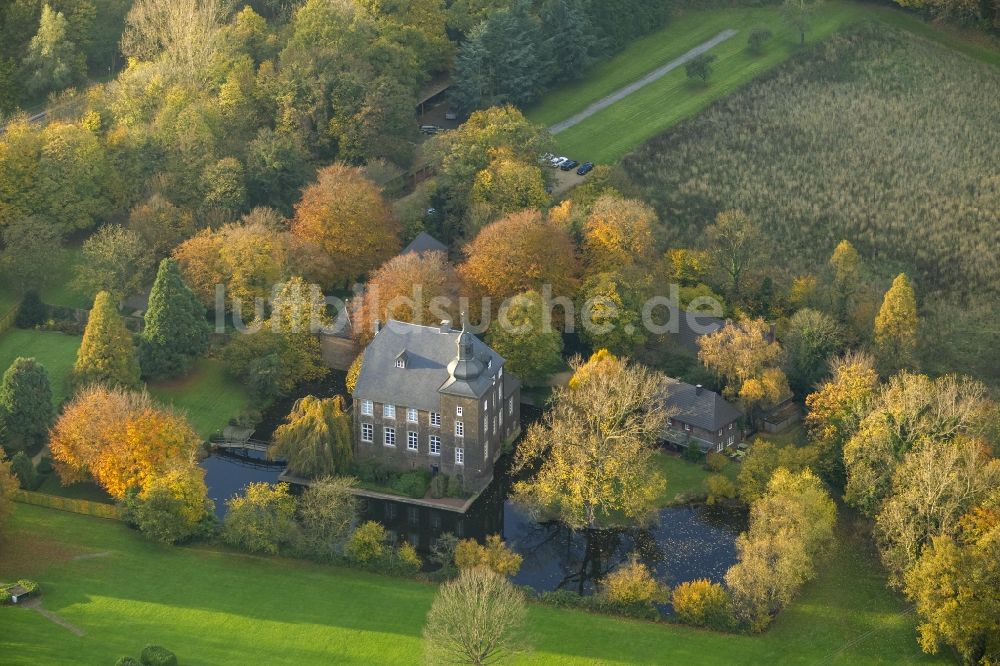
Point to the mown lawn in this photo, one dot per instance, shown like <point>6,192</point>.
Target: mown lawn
<point>206,395</point>
<point>216,608</point>
<point>685,477</point>
<point>612,132</point>
<point>56,351</point>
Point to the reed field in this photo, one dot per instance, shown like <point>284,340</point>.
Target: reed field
<point>875,135</point>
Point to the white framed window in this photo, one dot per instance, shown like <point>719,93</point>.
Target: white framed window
<point>367,408</point>
<point>500,394</point>
<point>458,410</point>
<point>718,448</point>
<point>400,363</point>
<point>510,406</point>
<point>500,416</point>
<point>411,415</point>
<point>389,411</point>
<point>390,436</point>
<point>486,424</point>
<point>459,456</point>
<point>687,427</point>
<point>496,423</point>
<point>500,372</point>
<point>720,432</point>
<point>459,429</point>
<point>411,441</point>
<point>366,432</point>
<point>486,405</point>
<point>732,440</point>
<point>435,445</point>
<point>436,419</point>
<point>486,451</point>
<point>489,363</point>
<point>730,426</point>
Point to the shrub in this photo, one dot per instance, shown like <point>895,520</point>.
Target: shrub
<point>412,484</point>
<point>719,488</point>
<point>29,585</point>
<point>439,486</point>
<point>494,555</point>
<point>44,465</point>
<point>31,312</point>
<point>157,655</point>
<point>455,487</point>
<point>702,603</point>
<point>128,661</point>
<point>716,462</point>
<point>367,543</point>
<point>693,453</point>
<point>407,560</point>
<point>4,595</point>
<point>21,465</point>
<point>756,39</point>
<point>633,585</point>
<point>260,520</point>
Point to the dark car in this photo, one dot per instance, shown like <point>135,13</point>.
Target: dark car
<point>585,168</point>
<point>571,164</point>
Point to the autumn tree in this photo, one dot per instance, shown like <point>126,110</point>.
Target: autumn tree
<point>8,486</point>
<point>344,226</point>
<point>896,326</point>
<point>185,34</point>
<point>747,357</point>
<point>594,448</point>
<point>25,405</point>
<point>120,439</point>
<point>791,526</point>
<point>845,279</point>
<point>494,555</point>
<point>736,247</point>
<point>416,288</point>
<point>909,409</point>
<point>519,334</point>
<point>611,313</point>
<point>175,329</point>
<point>53,61</point>
<point>762,460</point>
<point>248,258</point>
<point>107,353</point>
<point>316,437</point>
<point>956,587</point>
<point>160,224</point>
<point>810,340</point>
<point>618,233</point>
<point>632,585</point>
<point>701,603</point>
<point>32,251</point>
<point>475,619</point>
<point>836,408</point>
<point>114,260</point>
<point>327,512</point>
<point>934,485</point>
<point>507,185</point>
<point>520,252</point>
<point>261,520</point>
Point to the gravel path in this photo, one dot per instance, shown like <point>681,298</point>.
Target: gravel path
<point>657,73</point>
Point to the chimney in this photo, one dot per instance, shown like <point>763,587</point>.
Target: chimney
<point>378,325</point>
<point>697,389</point>
<point>446,325</point>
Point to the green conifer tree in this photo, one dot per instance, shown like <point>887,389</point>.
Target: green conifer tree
<point>175,328</point>
<point>25,405</point>
<point>107,354</point>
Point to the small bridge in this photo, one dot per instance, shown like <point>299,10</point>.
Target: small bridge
<point>257,445</point>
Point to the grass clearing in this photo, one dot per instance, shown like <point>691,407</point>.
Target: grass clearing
<point>56,351</point>
<point>207,395</point>
<point>685,477</point>
<point>611,133</point>
<point>218,608</point>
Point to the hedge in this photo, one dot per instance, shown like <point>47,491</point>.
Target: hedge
<point>85,507</point>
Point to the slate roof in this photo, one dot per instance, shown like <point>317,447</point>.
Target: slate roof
<point>706,410</point>
<point>429,351</point>
<point>424,242</point>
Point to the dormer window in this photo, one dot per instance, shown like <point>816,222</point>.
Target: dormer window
<point>458,410</point>
<point>489,362</point>
<point>500,372</point>
<point>401,360</point>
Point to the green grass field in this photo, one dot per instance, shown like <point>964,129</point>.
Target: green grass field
<point>685,477</point>
<point>217,608</point>
<point>207,395</point>
<point>612,132</point>
<point>56,351</point>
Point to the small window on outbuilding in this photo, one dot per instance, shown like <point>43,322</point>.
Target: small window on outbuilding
<point>401,360</point>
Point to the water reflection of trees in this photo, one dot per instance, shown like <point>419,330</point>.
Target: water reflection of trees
<point>584,557</point>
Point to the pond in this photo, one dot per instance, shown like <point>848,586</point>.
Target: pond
<point>228,474</point>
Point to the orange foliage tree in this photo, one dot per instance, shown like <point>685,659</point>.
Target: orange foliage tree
<point>416,288</point>
<point>120,439</point>
<point>518,253</point>
<point>343,226</point>
<point>618,233</point>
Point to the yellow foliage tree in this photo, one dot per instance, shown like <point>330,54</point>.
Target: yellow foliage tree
<point>896,326</point>
<point>700,602</point>
<point>618,233</point>
<point>509,185</point>
<point>494,555</point>
<point>633,585</point>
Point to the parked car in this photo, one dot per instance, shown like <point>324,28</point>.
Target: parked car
<point>429,129</point>
<point>585,168</point>
<point>568,164</point>
<point>546,158</point>
<point>450,115</point>
<point>559,161</point>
